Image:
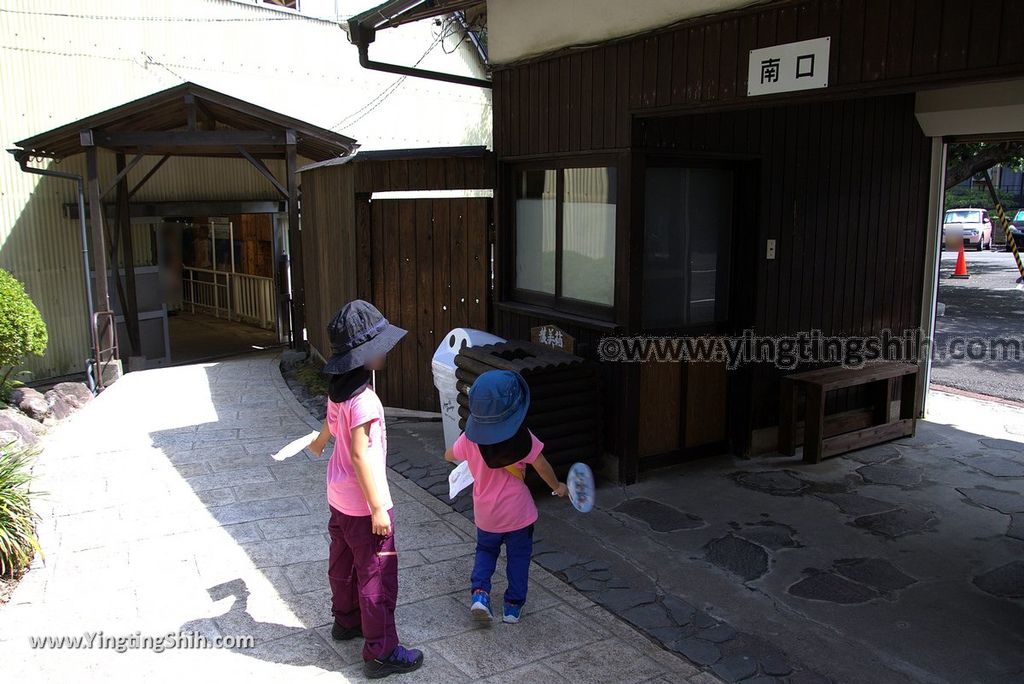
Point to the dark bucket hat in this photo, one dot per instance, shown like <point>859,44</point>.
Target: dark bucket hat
<point>498,401</point>
<point>358,333</point>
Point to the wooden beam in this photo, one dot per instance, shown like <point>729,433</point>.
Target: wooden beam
<point>188,139</point>
<point>122,172</point>
<point>190,111</point>
<point>130,304</point>
<point>149,174</point>
<point>99,249</point>
<point>295,245</point>
<point>266,172</point>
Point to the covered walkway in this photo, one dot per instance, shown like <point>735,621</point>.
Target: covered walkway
<point>186,120</point>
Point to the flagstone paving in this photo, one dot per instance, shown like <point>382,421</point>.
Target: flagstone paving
<point>896,563</point>
<point>165,513</point>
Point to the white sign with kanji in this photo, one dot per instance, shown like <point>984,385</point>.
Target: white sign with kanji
<point>788,67</point>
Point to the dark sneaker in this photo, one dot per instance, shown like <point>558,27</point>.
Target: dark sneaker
<point>339,633</point>
<point>511,614</point>
<point>400,661</point>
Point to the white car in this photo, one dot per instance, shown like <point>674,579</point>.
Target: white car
<point>972,225</point>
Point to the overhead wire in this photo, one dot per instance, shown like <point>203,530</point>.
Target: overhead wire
<point>447,29</point>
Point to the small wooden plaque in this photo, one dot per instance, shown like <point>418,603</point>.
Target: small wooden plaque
<point>553,336</point>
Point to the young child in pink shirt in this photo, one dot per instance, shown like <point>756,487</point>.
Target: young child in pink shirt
<point>363,564</point>
<point>498,447</point>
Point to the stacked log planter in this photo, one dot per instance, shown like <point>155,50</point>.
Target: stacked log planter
<point>565,391</point>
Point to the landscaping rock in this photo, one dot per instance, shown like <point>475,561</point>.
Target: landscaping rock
<point>17,427</point>
<point>31,402</point>
<point>67,397</point>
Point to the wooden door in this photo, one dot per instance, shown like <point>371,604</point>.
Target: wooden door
<point>425,263</point>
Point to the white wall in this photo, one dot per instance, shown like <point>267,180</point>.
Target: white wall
<point>972,110</point>
<point>61,60</point>
<point>517,29</point>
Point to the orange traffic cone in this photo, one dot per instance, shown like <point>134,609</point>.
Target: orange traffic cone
<point>961,265</point>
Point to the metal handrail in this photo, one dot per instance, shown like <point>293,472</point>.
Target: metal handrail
<point>98,341</point>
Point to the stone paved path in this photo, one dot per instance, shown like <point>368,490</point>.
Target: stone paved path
<point>166,513</point>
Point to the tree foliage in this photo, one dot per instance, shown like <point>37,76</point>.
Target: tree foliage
<point>963,160</point>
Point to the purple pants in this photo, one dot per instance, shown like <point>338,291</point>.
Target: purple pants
<point>363,571</point>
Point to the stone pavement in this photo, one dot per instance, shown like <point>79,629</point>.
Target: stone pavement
<point>165,513</point>
<point>897,563</point>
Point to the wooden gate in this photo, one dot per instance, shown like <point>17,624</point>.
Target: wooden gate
<point>426,264</point>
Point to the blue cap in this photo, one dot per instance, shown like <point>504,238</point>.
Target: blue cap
<point>498,401</point>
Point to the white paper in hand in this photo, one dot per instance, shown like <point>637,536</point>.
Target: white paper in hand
<point>296,447</point>
<point>459,479</point>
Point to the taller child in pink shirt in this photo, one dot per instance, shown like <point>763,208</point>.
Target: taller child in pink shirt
<point>363,564</point>
<point>498,447</point>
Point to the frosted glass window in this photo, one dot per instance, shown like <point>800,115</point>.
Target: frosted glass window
<point>588,235</point>
<point>535,230</point>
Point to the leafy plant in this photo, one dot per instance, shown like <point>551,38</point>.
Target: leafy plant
<point>18,541</point>
<point>963,160</point>
<point>22,330</point>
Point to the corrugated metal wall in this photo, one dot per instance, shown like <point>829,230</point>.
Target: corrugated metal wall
<point>61,60</point>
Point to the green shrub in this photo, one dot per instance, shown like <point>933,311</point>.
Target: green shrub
<point>17,521</point>
<point>22,330</point>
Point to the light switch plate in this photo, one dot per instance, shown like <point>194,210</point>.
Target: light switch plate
<point>770,254</point>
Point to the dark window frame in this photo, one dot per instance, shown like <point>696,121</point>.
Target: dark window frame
<point>741,166</point>
<point>557,302</point>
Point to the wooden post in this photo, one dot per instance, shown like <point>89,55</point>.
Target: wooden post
<point>99,246</point>
<point>787,416</point>
<point>814,423</point>
<point>130,305</point>
<point>295,244</point>
<point>629,423</point>
<point>883,390</point>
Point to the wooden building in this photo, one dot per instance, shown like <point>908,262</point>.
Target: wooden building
<point>408,230</point>
<point>647,185</point>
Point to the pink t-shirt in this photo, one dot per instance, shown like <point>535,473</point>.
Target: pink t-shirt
<point>343,491</point>
<point>501,501</point>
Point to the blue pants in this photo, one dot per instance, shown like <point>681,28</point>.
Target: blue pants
<point>518,550</point>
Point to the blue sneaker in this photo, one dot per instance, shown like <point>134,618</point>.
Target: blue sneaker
<point>400,661</point>
<point>511,613</point>
<point>481,606</point>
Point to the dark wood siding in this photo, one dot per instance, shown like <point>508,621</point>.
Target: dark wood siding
<point>843,171</point>
<point>423,262</point>
<point>850,235</point>
<point>582,101</point>
<point>328,236</point>
<point>516,325</point>
<point>429,265</point>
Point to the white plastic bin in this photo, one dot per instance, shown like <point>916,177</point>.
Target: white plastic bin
<point>443,365</point>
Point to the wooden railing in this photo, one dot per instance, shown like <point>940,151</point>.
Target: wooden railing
<point>234,296</point>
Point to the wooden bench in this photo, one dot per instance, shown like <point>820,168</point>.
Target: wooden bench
<point>880,376</point>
